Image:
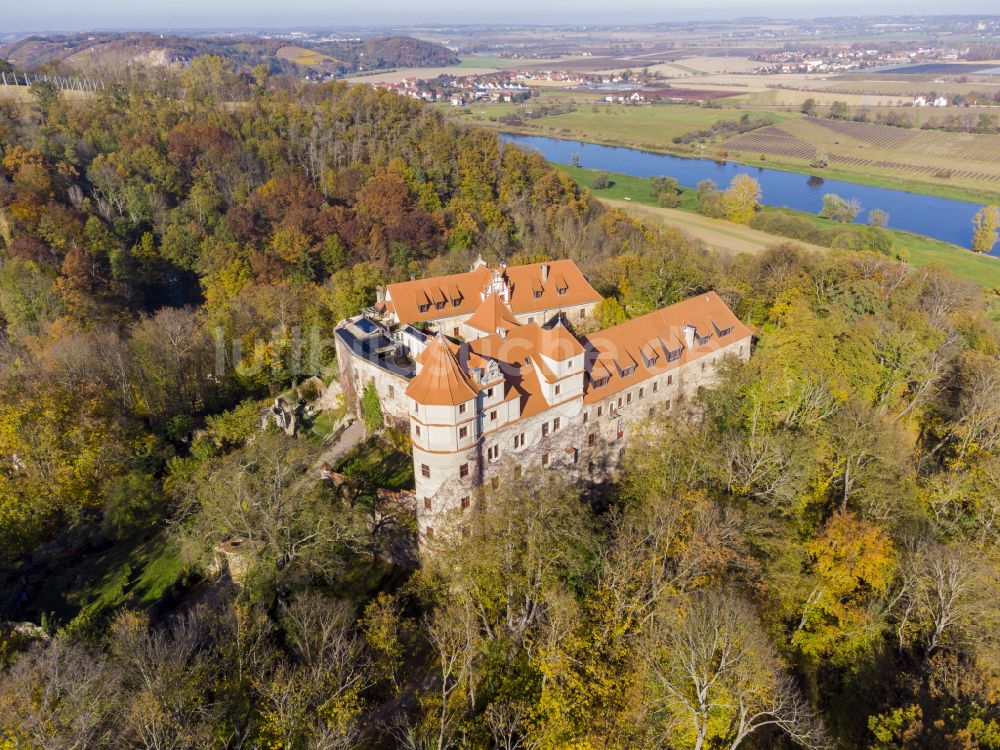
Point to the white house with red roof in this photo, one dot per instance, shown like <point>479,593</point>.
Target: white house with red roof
<point>485,372</point>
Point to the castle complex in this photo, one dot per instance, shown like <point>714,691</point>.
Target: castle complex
<point>484,372</point>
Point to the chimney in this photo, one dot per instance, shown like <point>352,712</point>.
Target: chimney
<point>545,272</point>
<point>689,336</point>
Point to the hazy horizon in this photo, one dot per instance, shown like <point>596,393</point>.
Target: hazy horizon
<point>119,15</point>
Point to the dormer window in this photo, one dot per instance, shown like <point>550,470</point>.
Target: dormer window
<point>721,332</point>
<point>599,383</point>
<point>538,294</point>
<point>561,292</point>
<point>439,305</point>
<point>628,371</point>
<point>424,308</point>
<point>702,339</point>
<point>674,354</point>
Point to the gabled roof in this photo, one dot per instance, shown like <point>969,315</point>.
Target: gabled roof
<point>525,281</point>
<point>492,315</point>
<point>610,351</point>
<point>440,381</point>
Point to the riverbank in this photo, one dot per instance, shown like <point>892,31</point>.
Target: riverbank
<point>626,191</point>
<point>894,182</point>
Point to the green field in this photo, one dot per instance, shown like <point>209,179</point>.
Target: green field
<point>648,127</point>
<point>653,128</point>
<point>921,251</point>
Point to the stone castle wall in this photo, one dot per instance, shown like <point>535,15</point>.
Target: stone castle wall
<point>587,446</point>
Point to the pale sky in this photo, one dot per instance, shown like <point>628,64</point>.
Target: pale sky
<point>72,15</point>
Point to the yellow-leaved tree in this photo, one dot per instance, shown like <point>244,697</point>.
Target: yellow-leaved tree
<point>853,564</point>
<point>742,200</point>
<point>984,228</point>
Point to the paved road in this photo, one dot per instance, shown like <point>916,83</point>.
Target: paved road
<point>335,451</point>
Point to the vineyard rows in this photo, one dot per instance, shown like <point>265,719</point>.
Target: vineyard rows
<point>879,136</point>
<point>773,140</point>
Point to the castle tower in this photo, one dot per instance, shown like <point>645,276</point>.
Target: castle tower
<point>446,426</point>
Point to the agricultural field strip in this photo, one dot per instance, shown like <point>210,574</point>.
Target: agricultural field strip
<point>775,140</point>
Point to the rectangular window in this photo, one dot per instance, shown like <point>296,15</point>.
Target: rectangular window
<point>391,391</point>
<point>555,424</point>
<point>517,472</point>
<point>463,470</point>
<point>583,314</point>
<point>545,459</point>
<point>592,439</point>
<point>545,430</point>
<point>427,503</point>
<point>461,408</point>
<point>619,402</point>
<point>425,471</point>
<point>493,416</point>
<point>670,379</point>
<point>656,386</point>
<point>463,432</point>
<point>600,410</point>
<point>703,366</point>
<point>586,417</point>
<point>489,393</point>
<point>465,503</point>
<point>628,397</point>
<point>454,332</point>
<point>642,392</point>
<point>558,388</point>
<point>430,532</point>
<point>416,429</point>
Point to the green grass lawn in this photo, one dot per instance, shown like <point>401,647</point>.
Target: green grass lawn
<point>136,574</point>
<point>321,428</point>
<point>921,251</point>
<point>377,465</point>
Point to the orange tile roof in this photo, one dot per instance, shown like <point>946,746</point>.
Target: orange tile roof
<point>525,281</point>
<point>563,274</point>
<point>493,315</point>
<point>557,342</point>
<point>440,381</point>
<point>613,350</point>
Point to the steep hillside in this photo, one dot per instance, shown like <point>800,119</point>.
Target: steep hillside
<point>87,52</point>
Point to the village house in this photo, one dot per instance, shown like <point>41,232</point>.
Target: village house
<point>486,374</point>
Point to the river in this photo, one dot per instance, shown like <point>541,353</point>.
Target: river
<point>941,218</point>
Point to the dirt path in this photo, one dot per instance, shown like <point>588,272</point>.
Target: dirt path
<point>717,234</point>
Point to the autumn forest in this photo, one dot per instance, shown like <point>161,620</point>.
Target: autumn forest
<point>812,560</point>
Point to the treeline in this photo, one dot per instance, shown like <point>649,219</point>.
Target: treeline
<point>805,555</point>
<point>724,129</point>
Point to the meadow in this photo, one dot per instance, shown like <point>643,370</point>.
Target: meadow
<point>963,166</point>
<point>636,195</point>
